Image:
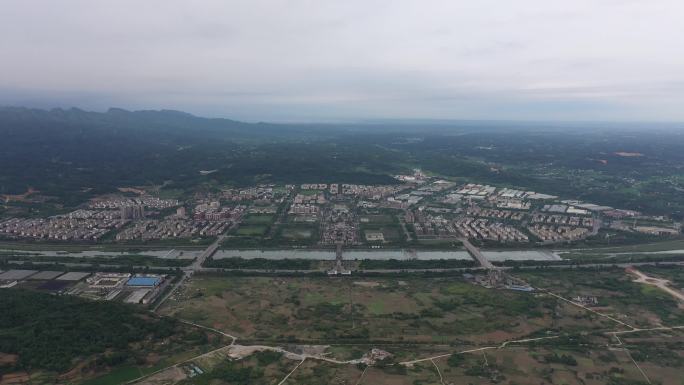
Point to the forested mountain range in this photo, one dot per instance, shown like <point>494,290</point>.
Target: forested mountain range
<point>72,154</point>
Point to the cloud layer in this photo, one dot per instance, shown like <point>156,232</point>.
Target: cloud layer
<point>319,60</point>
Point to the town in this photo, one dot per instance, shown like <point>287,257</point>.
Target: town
<point>419,210</point>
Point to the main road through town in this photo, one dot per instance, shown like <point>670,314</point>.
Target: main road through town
<point>195,266</point>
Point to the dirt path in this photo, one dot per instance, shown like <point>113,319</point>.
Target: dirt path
<point>240,351</point>
<point>293,370</point>
<point>590,310</point>
<point>362,374</point>
<point>237,351</point>
<point>662,284</point>
<point>503,345</point>
<point>233,338</point>
<point>441,379</point>
<point>633,360</point>
<point>636,330</point>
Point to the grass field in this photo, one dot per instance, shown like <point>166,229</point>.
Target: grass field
<point>642,252</point>
<point>636,304</point>
<point>66,247</point>
<point>414,317</point>
<point>418,309</point>
<point>421,317</point>
<point>116,376</point>
<point>321,309</point>
<point>258,219</point>
<point>251,230</point>
<point>378,219</point>
<point>297,232</point>
<point>384,223</point>
<point>440,243</point>
<point>140,359</point>
<point>391,233</point>
<point>674,274</point>
<point>676,244</point>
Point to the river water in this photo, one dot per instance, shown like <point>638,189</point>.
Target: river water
<point>166,254</point>
<point>398,254</point>
<point>386,254</point>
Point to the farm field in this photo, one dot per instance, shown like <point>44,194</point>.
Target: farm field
<point>443,330</point>
<point>617,295</point>
<point>417,309</point>
<point>425,330</point>
<point>569,365</point>
<point>439,310</point>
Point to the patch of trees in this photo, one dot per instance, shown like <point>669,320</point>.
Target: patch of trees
<point>126,260</point>
<point>664,355</point>
<point>321,311</point>
<point>260,263</point>
<point>396,264</point>
<point>455,360</point>
<point>619,380</point>
<point>564,359</point>
<point>51,332</point>
<point>228,373</point>
<point>267,357</point>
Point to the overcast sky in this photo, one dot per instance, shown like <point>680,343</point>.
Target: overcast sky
<point>321,60</point>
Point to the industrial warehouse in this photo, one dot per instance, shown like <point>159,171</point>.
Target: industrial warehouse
<point>108,286</point>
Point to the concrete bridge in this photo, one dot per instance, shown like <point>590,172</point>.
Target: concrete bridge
<point>477,254</point>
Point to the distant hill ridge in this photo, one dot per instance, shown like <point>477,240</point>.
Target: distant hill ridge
<point>169,121</point>
<point>66,152</point>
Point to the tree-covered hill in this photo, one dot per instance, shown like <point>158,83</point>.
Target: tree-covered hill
<point>74,154</point>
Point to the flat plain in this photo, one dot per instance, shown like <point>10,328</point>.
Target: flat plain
<point>445,330</point>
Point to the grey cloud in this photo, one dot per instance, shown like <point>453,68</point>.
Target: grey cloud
<point>327,60</point>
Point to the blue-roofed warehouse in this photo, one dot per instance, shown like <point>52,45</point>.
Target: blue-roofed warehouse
<point>144,281</point>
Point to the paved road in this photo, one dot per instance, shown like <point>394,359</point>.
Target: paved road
<point>281,214</point>
<point>403,227</point>
<point>339,262</point>
<point>455,269</point>
<point>597,225</point>
<point>476,254</point>
<point>195,266</point>
<point>208,252</point>
<point>168,294</point>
